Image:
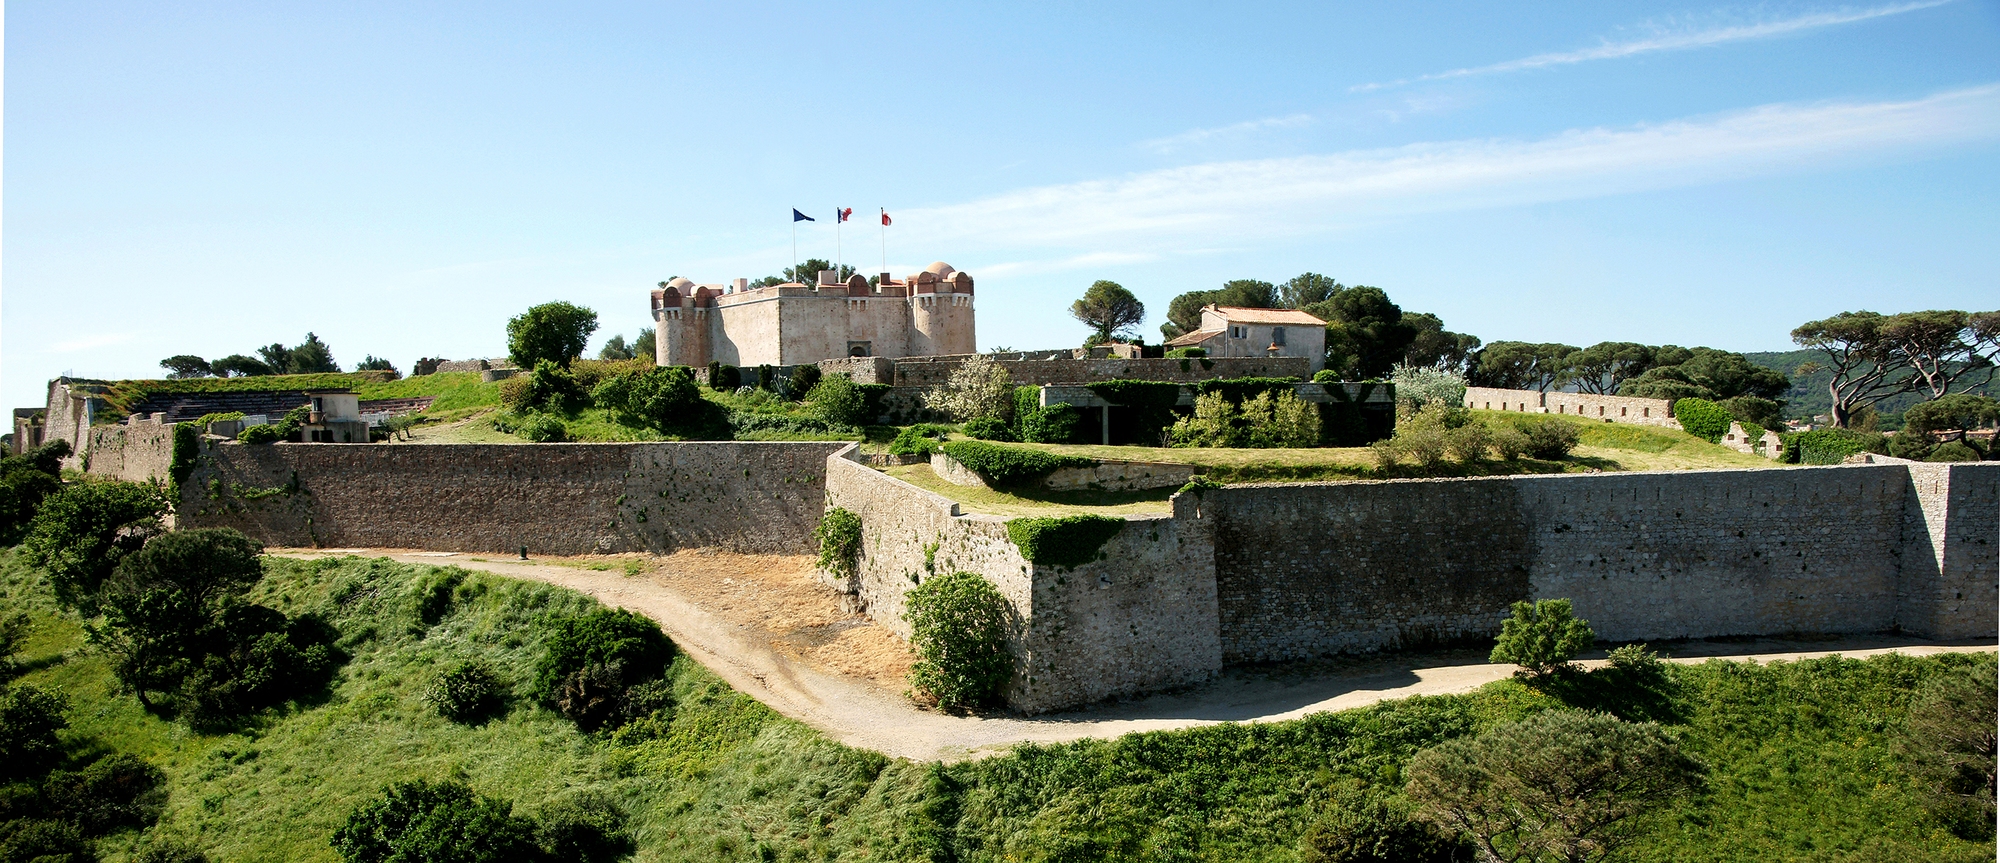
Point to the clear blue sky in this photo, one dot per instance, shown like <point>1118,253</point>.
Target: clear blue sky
<point>401,178</point>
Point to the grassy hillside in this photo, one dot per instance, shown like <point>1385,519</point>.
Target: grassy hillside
<point>1801,754</point>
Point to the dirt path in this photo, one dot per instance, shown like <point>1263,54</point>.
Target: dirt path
<point>762,624</point>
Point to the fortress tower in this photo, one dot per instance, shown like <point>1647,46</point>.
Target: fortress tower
<point>924,314</point>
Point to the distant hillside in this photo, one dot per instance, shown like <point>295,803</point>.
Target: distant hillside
<point>1808,395</point>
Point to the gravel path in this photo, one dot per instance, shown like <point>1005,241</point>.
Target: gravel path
<point>862,712</point>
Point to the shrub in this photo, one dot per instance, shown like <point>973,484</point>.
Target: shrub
<point>29,720</point>
<point>1510,442</point>
<point>1468,443</point>
<point>1281,421</point>
<point>1417,386</point>
<point>1376,831</point>
<point>169,851</point>
<point>44,841</point>
<point>1326,376</point>
<point>1009,466</point>
<point>583,828</point>
<point>726,377</point>
<point>1559,785</point>
<point>1542,637</point>
<point>115,792</point>
<point>839,538</point>
<point>837,400</point>
<point>988,428</point>
<point>601,637</point>
<point>958,624</point>
<point>467,692</point>
<point>1213,423</point>
<point>25,481</point>
<point>443,822</point>
<point>1830,446</point>
<point>551,387</point>
<point>1385,454</point>
<point>979,387</point>
<point>921,439</point>
<point>1703,418</point>
<point>667,399</point>
<point>1052,424</point>
<point>1187,353</point>
<point>1549,438</point>
<point>1949,746</point>
<point>1066,541</point>
<point>804,378</point>
<point>541,428</point>
<point>260,434</point>
<point>178,625</point>
<point>1953,451</point>
<point>82,533</point>
<point>767,377</point>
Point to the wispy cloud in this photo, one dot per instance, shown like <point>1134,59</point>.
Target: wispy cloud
<point>103,340</point>
<point>1164,211</point>
<point>1669,42</point>
<point>1194,137</point>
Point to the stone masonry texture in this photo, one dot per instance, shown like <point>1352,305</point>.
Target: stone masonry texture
<point>758,497</point>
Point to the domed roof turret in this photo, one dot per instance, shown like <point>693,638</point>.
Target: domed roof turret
<point>940,269</point>
<point>680,282</point>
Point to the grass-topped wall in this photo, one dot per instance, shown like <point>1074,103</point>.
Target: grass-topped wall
<point>1067,541</point>
<point>124,396</point>
<point>1009,466</point>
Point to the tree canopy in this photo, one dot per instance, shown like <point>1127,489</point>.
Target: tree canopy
<point>556,332</point>
<point>1108,309</point>
<point>1872,356</point>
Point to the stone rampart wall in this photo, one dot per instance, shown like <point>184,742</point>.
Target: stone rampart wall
<point>1310,569</point>
<point>760,497</point>
<point>1105,475</point>
<point>1620,409</point>
<point>1140,619</point>
<point>141,451</point>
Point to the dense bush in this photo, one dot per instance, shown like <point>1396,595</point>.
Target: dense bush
<point>839,538</point>
<point>1938,430</point>
<point>748,426</point>
<point>29,720</point>
<point>1559,785</point>
<point>260,434</point>
<point>591,662</point>
<point>1830,446</point>
<point>1263,420</point>
<point>1703,418</point>
<point>180,629</point>
<point>988,428</point>
<point>1009,466</point>
<point>1954,451</point>
<point>25,481</point>
<point>442,822</point>
<point>468,691</point>
<point>1950,743</point>
<point>920,439</point>
<point>1549,438</point>
<point>83,532</point>
<point>1326,376</point>
<point>1377,830</point>
<point>169,851</point>
<point>1511,442</point>
<point>540,428</point>
<point>1542,637</point>
<point>115,792</point>
<point>552,387</point>
<point>804,378</point>
<point>958,624</point>
<point>1052,424</point>
<point>663,398</point>
<point>1063,541</point>
<point>583,828</point>
<point>1468,443</point>
<point>837,399</point>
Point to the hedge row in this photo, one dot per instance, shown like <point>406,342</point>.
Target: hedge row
<point>1008,466</point>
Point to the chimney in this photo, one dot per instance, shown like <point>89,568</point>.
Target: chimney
<point>829,277</point>
<point>741,285</point>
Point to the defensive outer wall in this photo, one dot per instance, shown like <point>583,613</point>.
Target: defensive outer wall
<point>1237,574</point>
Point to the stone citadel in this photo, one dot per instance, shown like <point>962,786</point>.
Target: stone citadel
<point>923,314</point>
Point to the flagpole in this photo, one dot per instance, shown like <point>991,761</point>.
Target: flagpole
<point>795,250</point>
<point>885,242</point>
<point>836,241</point>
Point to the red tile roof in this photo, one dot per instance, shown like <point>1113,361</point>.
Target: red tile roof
<point>1241,315</point>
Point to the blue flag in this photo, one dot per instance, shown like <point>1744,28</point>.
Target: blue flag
<point>801,217</point>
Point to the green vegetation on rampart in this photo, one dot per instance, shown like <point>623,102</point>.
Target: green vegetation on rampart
<point>1802,756</point>
<point>125,396</point>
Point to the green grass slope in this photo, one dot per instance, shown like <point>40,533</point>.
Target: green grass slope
<point>1801,753</point>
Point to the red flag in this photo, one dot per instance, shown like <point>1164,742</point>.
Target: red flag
<point>885,217</point>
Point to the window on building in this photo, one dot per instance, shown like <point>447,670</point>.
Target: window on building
<point>1236,332</point>
<point>1278,336</point>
